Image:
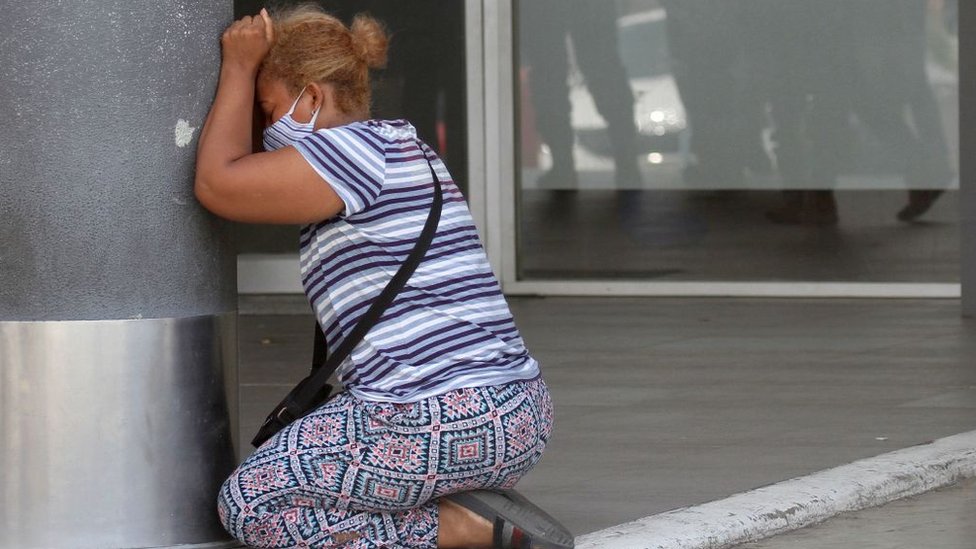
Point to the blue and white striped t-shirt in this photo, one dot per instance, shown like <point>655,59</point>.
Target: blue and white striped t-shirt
<point>450,326</point>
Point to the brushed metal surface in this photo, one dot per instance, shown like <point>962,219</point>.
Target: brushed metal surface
<point>116,433</point>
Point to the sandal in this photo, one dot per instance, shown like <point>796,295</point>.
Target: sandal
<point>518,523</point>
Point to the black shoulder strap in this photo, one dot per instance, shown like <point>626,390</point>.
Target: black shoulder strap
<point>312,390</point>
<point>320,348</point>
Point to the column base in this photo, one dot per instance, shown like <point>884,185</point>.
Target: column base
<point>116,433</point>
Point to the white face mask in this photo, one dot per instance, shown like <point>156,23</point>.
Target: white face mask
<point>286,131</point>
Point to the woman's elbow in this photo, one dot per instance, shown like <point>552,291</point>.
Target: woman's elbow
<point>205,193</point>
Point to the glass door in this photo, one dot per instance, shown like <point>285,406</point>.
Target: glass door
<point>730,147</point>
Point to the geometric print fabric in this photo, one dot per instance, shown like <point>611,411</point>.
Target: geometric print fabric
<point>361,474</point>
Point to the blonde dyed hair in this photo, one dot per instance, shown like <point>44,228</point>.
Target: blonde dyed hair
<point>313,46</point>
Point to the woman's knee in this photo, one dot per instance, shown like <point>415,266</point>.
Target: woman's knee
<point>235,513</point>
<point>228,511</point>
<point>245,524</point>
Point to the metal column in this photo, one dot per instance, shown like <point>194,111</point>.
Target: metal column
<point>118,386</point>
<point>967,148</point>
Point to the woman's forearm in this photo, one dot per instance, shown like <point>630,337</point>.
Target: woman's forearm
<point>227,133</point>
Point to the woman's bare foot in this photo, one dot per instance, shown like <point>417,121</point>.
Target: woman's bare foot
<point>459,527</point>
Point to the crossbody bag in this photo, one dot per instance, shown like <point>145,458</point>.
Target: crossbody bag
<point>314,390</point>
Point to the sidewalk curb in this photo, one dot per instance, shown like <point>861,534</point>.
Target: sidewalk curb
<point>797,502</point>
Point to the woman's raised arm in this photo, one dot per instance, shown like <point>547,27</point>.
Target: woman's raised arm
<point>271,187</point>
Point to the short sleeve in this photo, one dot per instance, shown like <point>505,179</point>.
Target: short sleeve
<point>350,161</point>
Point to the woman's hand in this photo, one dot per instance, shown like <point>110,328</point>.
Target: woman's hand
<point>247,41</point>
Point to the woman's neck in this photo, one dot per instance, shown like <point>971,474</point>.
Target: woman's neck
<point>341,119</point>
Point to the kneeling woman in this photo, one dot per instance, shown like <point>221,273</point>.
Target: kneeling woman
<point>443,408</point>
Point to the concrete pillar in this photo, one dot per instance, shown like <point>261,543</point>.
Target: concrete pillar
<point>967,152</point>
<point>118,389</point>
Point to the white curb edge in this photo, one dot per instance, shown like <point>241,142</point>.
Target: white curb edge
<point>797,502</point>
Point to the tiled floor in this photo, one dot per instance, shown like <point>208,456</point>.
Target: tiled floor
<point>663,403</point>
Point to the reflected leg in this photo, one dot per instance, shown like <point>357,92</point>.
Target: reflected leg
<point>706,39</point>
<point>896,83</point>
<point>542,31</point>
<point>593,28</point>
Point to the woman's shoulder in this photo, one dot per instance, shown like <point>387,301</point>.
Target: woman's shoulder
<point>381,137</point>
<point>391,131</point>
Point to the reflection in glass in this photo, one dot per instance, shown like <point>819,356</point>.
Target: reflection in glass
<point>738,139</point>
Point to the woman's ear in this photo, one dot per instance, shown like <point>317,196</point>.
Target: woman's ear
<point>319,96</point>
<point>323,98</point>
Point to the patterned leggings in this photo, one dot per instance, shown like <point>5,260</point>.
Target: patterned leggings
<point>358,474</point>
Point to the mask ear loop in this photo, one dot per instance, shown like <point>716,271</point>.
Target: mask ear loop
<point>295,103</point>
<point>315,114</point>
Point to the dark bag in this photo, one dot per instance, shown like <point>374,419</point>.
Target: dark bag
<point>314,390</point>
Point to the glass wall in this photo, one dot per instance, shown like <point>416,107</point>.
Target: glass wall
<point>423,82</point>
<point>737,140</point>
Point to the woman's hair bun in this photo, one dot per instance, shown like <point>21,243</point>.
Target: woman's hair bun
<point>369,40</point>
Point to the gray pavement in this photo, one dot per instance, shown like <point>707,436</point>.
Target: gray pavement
<point>942,519</point>
<point>664,403</point>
